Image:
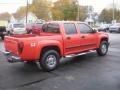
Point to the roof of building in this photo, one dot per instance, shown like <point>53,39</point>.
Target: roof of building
<point>5,16</point>
<point>21,15</point>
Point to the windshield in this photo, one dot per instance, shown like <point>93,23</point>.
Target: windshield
<point>18,25</point>
<point>50,28</point>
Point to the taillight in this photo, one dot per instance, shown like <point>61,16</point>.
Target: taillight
<point>20,47</point>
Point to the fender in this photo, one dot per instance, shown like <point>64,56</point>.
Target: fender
<point>102,36</point>
<point>47,43</point>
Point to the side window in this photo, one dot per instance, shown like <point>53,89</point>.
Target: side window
<point>70,28</point>
<point>51,28</point>
<point>84,28</point>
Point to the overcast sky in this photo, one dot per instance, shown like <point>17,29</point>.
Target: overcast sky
<point>98,5</point>
<point>12,5</point>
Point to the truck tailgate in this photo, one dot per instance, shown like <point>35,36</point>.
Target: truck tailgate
<point>11,44</point>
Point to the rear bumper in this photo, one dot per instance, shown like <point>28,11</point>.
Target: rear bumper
<point>12,58</point>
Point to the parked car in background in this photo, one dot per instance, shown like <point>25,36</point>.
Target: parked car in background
<point>3,25</point>
<point>16,28</point>
<point>29,27</point>
<point>2,32</point>
<point>115,28</point>
<point>104,27</point>
<point>36,28</point>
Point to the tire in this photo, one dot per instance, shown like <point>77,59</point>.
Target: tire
<point>103,48</point>
<point>49,60</point>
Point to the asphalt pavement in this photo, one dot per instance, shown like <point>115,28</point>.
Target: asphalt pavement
<point>87,72</point>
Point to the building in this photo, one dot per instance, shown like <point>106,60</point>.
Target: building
<point>4,19</point>
<point>31,18</point>
<point>90,14</point>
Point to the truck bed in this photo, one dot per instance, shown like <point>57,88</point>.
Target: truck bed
<point>11,42</point>
<point>33,35</point>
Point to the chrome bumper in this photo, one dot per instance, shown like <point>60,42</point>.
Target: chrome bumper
<point>11,58</point>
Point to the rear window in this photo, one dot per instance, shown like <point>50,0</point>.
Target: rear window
<point>18,25</point>
<point>51,28</point>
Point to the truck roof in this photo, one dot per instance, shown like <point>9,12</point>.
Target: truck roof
<point>65,22</point>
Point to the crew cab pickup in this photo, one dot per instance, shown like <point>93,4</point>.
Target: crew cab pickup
<point>57,39</point>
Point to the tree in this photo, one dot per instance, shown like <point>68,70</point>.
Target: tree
<point>59,10</point>
<point>5,16</point>
<point>107,15</point>
<point>41,8</point>
<point>63,10</point>
<point>21,11</point>
<point>83,13</point>
<point>68,9</point>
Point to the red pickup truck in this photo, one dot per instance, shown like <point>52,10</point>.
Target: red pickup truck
<point>57,39</point>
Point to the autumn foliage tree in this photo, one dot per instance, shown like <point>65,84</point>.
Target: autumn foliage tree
<point>58,10</point>
<point>107,15</point>
<point>41,8</point>
<point>67,10</point>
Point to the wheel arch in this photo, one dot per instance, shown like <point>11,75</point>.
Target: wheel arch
<point>104,39</point>
<point>50,47</point>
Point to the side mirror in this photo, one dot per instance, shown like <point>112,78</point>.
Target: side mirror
<point>94,30</point>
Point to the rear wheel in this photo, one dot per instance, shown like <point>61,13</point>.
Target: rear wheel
<point>49,60</point>
<point>103,48</point>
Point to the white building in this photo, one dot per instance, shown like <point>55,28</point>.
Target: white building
<point>31,18</point>
<point>90,13</point>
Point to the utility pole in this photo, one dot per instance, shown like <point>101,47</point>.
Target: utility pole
<point>78,11</point>
<point>113,10</point>
<point>26,11</point>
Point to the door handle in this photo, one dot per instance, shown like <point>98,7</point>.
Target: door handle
<point>68,38</point>
<point>82,37</point>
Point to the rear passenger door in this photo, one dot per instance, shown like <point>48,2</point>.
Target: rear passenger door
<point>88,39</point>
<point>71,39</point>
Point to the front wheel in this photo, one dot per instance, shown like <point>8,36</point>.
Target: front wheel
<point>49,60</point>
<point>103,48</point>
